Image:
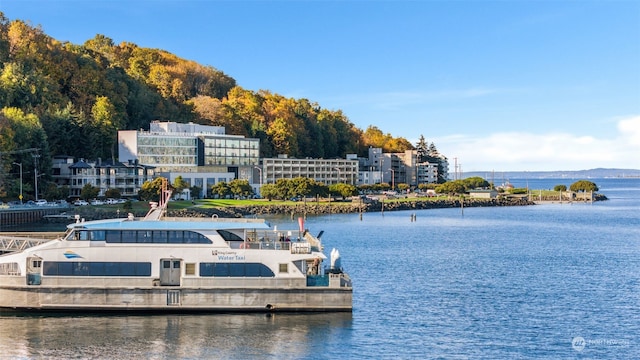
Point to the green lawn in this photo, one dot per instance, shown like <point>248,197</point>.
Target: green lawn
<point>209,203</point>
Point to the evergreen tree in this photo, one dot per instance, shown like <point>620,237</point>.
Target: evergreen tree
<point>421,148</point>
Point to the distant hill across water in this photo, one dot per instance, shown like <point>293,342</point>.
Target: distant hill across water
<point>598,173</point>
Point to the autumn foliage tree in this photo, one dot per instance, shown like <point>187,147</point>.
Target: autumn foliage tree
<point>81,95</point>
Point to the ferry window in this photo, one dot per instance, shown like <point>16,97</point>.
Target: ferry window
<point>37,263</point>
<point>127,268</point>
<point>191,237</point>
<point>189,269</point>
<point>206,269</point>
<point>80,269</point>
<point>97,235</point>
<point>176,237</point>
<point>111,269</point>
<point>166,264</point>
<point>283,268</point>
<point>9,269</point>
<point>82,235</point>
<point>112,236</point>
<point>176,264</point>
<point>160,236</point>
<point>229,236</point>
<point>144,236</point>
<point>236,269</point>
<point>204,239</point>
<point>50,268</point>
<point>252,270</point>
<point>265,271</point>
<point>221,270</point>
<point>143,269</point>
<point>97,269</point>
<point>129,236</point>
<point>65,268</point>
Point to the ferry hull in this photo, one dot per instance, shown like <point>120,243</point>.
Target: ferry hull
<point>176,299</point>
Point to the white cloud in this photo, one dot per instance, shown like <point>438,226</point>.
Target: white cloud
<point>630,130</point>
<point>519,151</point>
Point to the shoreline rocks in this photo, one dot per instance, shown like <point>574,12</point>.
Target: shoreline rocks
<point>313,208</point>
<point>325,208</point>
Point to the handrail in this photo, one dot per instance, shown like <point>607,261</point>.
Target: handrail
<point>12,244</point>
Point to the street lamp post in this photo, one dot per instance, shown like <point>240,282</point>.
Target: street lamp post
<point>20,164</point>
<point>393,178</point>
<point>35,171</point>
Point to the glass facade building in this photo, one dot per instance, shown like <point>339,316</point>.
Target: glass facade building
<point>231,151</point>
<point>173,147</point>
<point>174,151</point>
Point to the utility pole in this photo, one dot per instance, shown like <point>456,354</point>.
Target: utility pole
<point>455,168</point>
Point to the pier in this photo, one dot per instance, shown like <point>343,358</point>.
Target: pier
<point>18,215</point>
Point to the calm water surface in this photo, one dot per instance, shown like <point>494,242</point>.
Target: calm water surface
<point>547,281</point>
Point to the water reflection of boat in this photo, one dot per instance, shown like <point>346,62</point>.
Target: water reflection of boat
<point>213,336</point>
<point>175,264</point>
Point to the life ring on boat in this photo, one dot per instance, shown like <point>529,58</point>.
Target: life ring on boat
<point>244,246</point>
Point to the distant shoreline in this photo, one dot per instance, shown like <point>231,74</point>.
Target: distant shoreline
<point>599,173</point>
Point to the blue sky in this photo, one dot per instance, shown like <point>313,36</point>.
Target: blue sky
<point>497,85</point>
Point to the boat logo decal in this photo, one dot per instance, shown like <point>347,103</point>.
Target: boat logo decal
<point>222,252</point>
<point>227,255</point>
<point>71,255</point>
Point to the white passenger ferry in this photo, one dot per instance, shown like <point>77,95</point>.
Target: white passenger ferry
<point>175,264</point>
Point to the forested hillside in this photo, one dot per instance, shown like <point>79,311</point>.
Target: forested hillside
<point>69,99</point>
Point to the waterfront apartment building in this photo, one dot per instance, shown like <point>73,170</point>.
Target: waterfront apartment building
<point>397,168</point>
<point>326,171</point>
<point>126,177</point>
<point>369,168</point>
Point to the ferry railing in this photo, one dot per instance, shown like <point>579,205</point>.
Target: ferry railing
<point>329,279</point>
<point>296,247</point>
<point>275,240</point>
<point>265,245</point>
<point>12,244</point>
<point>318,280</point>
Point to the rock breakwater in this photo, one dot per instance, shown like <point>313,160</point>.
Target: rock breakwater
<point>313,208</point>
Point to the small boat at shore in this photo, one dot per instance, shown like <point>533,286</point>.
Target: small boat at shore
<point>161,264</point>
